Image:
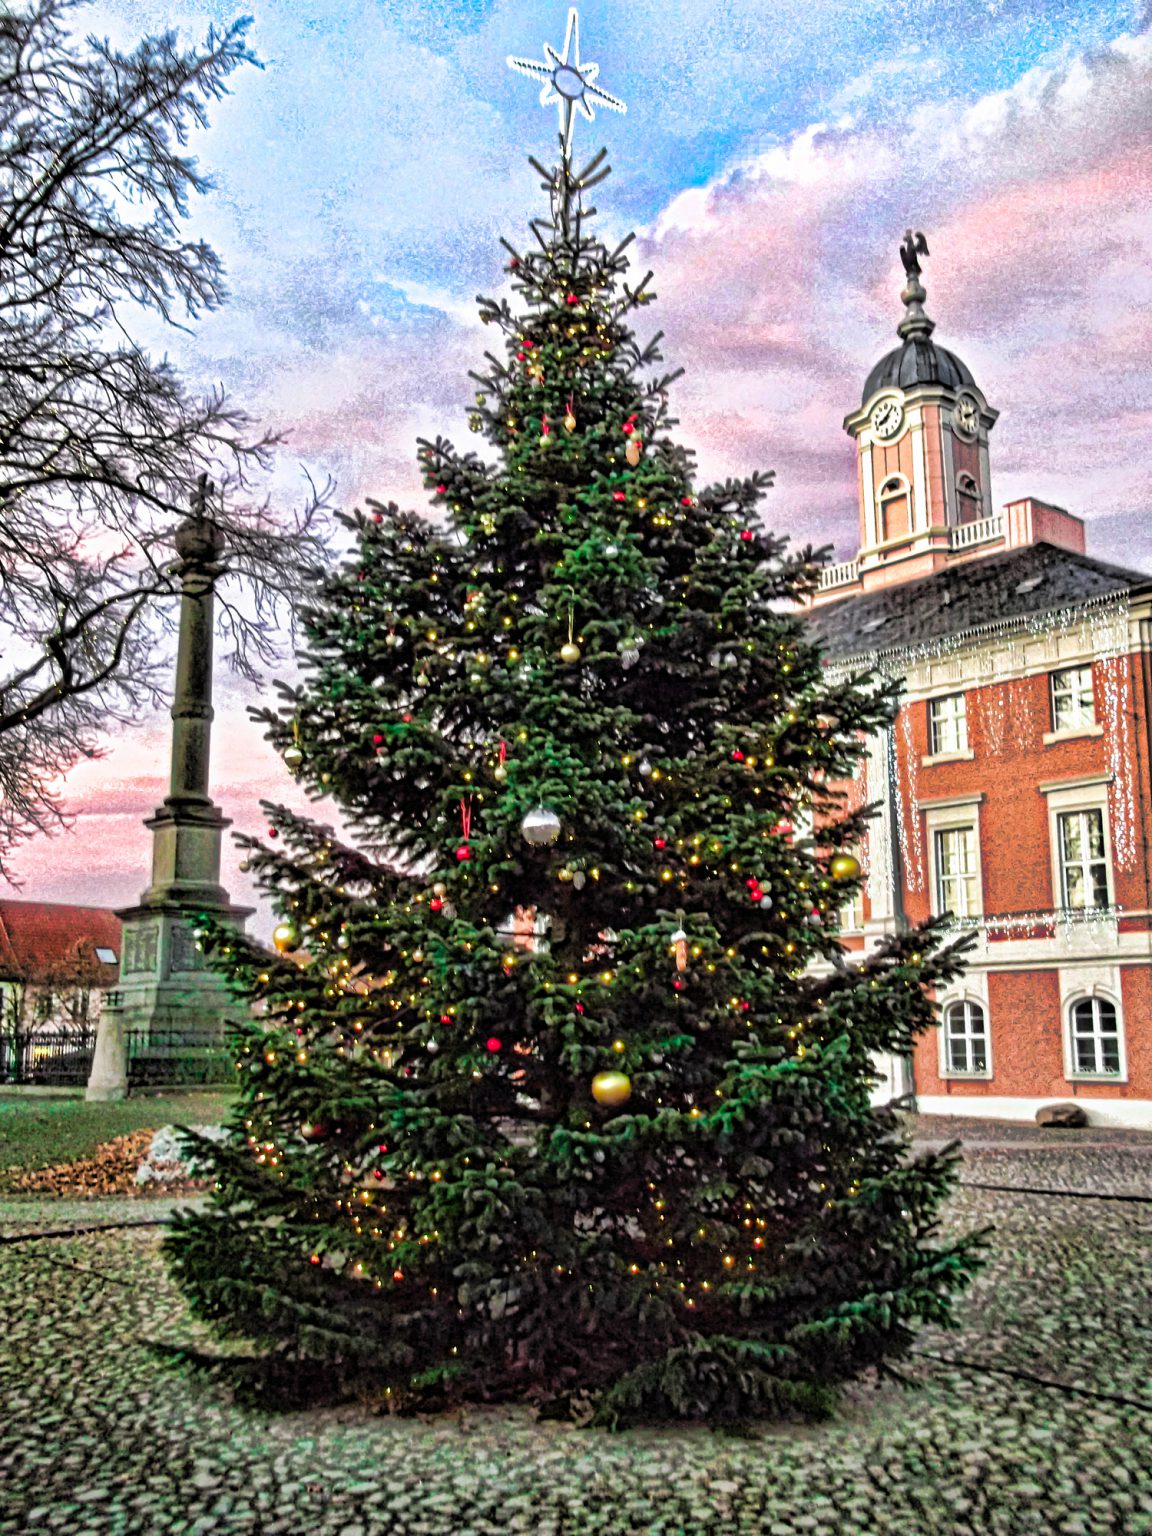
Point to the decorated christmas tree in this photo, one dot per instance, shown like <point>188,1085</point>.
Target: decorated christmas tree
<point>559,1088</point>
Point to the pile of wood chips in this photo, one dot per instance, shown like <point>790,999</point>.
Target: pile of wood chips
<point>110,1170</point>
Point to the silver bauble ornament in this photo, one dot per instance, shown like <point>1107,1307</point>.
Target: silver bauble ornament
<point>540,827</point>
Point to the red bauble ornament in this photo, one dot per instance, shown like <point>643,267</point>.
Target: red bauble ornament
<point>492,1044</point>
<point>445,1018</point>
<point>678,984</point>
<point>441,490</point>
<point>737,755</point>
<point>618,496</point>
<point>377,739</point>
<point>272,832</point>
<point>435,904</point>
<point>756,895</point>
<point>746,535</point>
<point>659,842</point>
<point>377,517</point>
<point>463,853</point>
<point>573,298</point>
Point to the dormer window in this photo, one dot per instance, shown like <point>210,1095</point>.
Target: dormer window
<point>968,499</point>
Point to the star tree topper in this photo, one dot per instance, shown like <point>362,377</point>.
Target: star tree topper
<point>567,81</point>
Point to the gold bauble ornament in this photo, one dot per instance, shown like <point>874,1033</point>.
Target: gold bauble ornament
<point>570,652</point>
<point>286,937</point>
<point>611,1089</point>
<point>499,773</point>
<point>633,450</point>
<point>845,866</point>
<point>569,422</point>
<point>293,757</point>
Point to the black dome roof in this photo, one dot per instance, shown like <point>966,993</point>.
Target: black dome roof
<point>918,361</point>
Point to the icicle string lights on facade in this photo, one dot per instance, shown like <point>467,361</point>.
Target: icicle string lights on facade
<point>1098,627</point>
<point>1100,924</point>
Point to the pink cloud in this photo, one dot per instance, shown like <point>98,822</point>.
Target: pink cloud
<point>778,289</point>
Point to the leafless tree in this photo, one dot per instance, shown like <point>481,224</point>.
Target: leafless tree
<point>101,443</point>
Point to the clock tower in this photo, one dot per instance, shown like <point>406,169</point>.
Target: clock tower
<point>922,449</point>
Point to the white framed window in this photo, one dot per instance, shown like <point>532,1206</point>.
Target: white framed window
<point>966,1051</point>
<point>1073,701</point>
<point>1094,1038</point>
<point>952,834</point>
<point>948,719</point>
<point>1083,857</point>
<point>1080,841</point>
<point>850,918</point>
<point>957,871</point>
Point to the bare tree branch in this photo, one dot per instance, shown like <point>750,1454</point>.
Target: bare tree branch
<point>100,443</point>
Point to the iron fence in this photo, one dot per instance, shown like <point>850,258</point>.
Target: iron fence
<point>51,1057</point>
<point>57,1057</point>
<point>169,1058</point>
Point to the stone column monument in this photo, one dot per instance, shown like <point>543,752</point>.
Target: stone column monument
<point>170,1004</point>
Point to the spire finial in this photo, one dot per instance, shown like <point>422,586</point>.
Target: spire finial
<point>915,322</point>
<point>568,82</point>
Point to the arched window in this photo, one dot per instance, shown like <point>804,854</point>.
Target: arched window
<point>965,1037</point>
<point>1095,1037</point>
<point>970,507</point>
<point>895,509</point>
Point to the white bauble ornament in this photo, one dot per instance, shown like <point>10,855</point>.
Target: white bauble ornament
<point>540,827</point>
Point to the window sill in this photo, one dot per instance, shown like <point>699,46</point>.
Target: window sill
<point>1073,733</point>
<point>1096,1077</point>
<point>946,757</point>
<point>952,1076</point>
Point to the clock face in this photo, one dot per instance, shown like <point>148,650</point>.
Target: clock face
<point>887,418</point>
<point>966,415</point>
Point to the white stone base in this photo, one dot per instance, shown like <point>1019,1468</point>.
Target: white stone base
<point>1129,1114</point>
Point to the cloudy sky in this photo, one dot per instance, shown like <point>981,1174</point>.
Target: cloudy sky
<point>772,154</point>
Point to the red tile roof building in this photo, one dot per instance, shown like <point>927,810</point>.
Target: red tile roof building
<point>1014,789</point>
<point>56,962</point>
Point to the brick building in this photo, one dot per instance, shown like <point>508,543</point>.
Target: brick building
<point>1014,786</point>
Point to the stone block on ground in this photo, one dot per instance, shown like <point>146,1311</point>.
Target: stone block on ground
<point>1061,1116</point>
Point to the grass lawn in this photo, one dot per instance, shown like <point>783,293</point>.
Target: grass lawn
<point>43,1132</point>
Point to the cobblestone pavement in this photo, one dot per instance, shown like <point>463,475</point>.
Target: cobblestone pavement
<point>96,1437</point>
